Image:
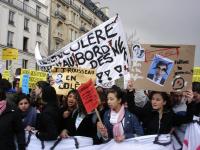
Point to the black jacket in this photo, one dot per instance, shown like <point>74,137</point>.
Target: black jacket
<point>48,123</point>
<point>152,124</point>
<point>86,128</point>
<point>11,126</point>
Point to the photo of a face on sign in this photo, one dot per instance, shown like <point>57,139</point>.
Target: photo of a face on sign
<point>58,79</point>
<point>160,70</point>
<point>138,53</point>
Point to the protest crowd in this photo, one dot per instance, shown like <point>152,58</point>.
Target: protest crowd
<point>68,103</point>
<point>125,113</point>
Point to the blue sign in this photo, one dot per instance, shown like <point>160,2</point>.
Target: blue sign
<point>25,82</point>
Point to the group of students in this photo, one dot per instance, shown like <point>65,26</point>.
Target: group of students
<point>50,116</point>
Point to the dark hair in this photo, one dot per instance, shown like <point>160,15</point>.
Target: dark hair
<point>162,63</point>
<point>164,95</point>
<point>117,91</point>
<point>102,94</point>
<point>2,94</point>
<point>196,87</point>
<point>21,96</point>
<point>81,107</point>
<point>42,84</point>
<point>5,85</point>
<point>72,91</point>
<point>15,82</point>
<point>49,95</point>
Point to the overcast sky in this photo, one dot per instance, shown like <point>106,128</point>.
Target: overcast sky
<point>160,21</point>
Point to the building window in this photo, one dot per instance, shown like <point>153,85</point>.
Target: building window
<point>25,44</point>
<point>76,35</point>
<point>24,63</point>
<point>11,18</point>
<point>57,46</point>
<point>37,10</point>
<point>38,29</point>
<point>71,35</point>
<point>26,21</point>
<point>8,64</point>
<point>73,17</point>
<point>10,39</point>
<point>10,1</point>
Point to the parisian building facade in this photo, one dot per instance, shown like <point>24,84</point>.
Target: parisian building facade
<point>50,23</point>
<point>23,24</point>
<point>70,19</point>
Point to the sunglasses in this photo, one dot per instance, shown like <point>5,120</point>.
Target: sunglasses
<point>162,69</point>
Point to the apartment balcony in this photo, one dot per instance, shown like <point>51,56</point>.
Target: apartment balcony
<point>38,34</point>
<point>60,15</point>
<point>86,17</point>
<point>27,9</point>
<point>83,29</point>
<point>71,4</point>
<point>58,37</point>
<point>11,22</point>
<point>9,44</point>
<point>26,29</point>
<point>91,6</point>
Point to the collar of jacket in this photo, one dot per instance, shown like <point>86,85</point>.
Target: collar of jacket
<point>8,109</point>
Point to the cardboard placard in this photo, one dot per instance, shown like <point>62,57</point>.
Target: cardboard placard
<point>196,74</point>
<point>70,78</point>
<point>177,77</point>
<point>6,75</point>
<point>34,77</point>
<point>9,54</point>
<point>89,96</point>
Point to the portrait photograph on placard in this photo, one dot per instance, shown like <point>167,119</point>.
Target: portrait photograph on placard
<point>160,69</point>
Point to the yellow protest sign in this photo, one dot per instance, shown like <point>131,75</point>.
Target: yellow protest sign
<point>70,78</point>
<point>35,76</point>
<point>6,74</point>
<point>196,74</point>
<point>9,54</point>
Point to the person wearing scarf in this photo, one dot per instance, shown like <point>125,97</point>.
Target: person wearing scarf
<point>10,125</point>
<point>118,122</point>
<point>28,113</point>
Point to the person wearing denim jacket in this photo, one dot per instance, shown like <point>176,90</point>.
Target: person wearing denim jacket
<point>118,122</point>
<point>130,125</point>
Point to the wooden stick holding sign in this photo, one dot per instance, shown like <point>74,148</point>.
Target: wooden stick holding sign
<point>89,97</point>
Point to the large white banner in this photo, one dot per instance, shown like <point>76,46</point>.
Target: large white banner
<point>85,143</point>
<point>104,48</point>
<point>192,135</point>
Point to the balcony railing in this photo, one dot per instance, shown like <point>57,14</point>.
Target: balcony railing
<point>27,9</point>
<point>60,15</point>
<point>26,28</point>
<point>90,5</point>
<point>9,44</point>
<point>11,22</point>
<point>86,17</point>
<point>38,34</point>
